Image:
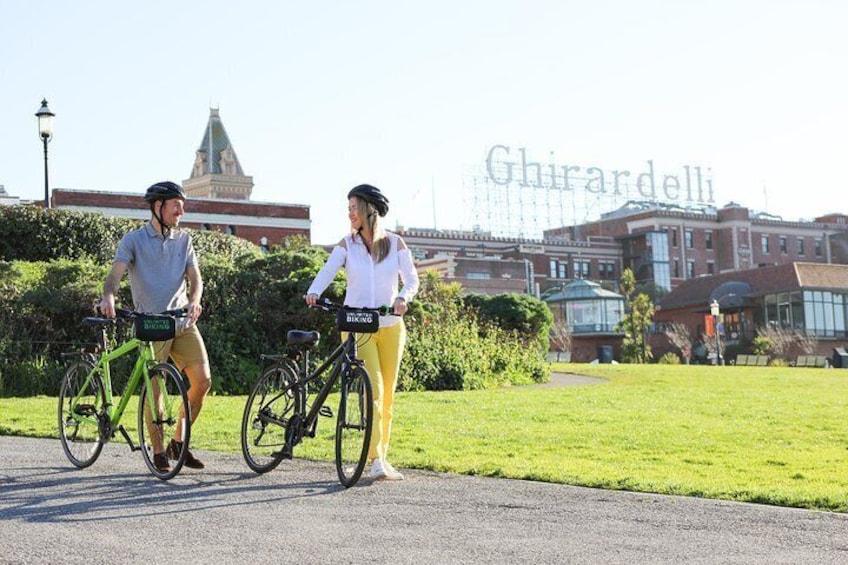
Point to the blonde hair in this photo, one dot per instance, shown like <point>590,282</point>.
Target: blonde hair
<point>380,244</point>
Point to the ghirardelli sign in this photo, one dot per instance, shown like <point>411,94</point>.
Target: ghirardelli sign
<point>689,185</point>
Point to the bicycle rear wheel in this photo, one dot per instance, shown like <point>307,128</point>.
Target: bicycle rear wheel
<point>82,401</point>
<point>353,425</point>
<point>164,415</point>
<point>273,402</point>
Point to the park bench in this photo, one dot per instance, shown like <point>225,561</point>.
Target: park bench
<point>817,361</point>
<point>752,360</point>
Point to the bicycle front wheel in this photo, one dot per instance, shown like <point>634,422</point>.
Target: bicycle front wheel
<point>82,402</point>
<point>271,406</point>
<point>353,425</point>
<point>164,416</point>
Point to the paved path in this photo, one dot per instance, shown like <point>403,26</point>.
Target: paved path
<point>569,379</point>
<point>114,512</point>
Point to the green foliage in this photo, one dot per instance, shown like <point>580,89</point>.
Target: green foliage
<point>760,345</point>
<point>32,233</point>
<point>251,300</point>
<point>635,322</point>
<point>450,348</point>
<point>527,316</point>
<point>669,358</point>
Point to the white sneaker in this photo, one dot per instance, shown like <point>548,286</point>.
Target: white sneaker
<point>378,471</point>
<point>391,473</point>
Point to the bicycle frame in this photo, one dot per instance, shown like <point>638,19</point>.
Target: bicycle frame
<point>102,366</point>
<point>344,354</point>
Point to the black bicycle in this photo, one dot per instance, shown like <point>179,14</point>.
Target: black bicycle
<point>280,412</point>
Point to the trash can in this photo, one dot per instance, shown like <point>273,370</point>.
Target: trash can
<point>605,354</point>
<point>840,358</point>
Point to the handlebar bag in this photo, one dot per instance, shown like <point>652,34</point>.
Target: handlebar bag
<point>150,327</point>
<point>357,321</point>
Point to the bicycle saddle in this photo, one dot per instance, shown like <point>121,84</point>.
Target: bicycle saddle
<point>300,337</point>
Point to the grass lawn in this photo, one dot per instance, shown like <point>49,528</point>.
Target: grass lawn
<point>769,435</point>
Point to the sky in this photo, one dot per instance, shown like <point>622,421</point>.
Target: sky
<point>411,96</point>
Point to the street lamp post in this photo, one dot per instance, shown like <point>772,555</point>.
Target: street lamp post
<point>45,131</point>
<point>714,310</point>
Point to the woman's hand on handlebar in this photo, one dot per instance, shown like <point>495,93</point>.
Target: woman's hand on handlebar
<point>311,299</point>
<point>399,307</point>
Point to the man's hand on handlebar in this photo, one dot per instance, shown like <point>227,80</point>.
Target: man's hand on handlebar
<point>107,306</point>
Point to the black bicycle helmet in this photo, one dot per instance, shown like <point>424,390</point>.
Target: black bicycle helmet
<point>373,196</point>
<point>164,190</point>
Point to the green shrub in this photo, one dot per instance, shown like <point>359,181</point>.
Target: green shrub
<point>250,299</point>
<point>449,348</point>
<point>527,316</point>
<point>669,358</point>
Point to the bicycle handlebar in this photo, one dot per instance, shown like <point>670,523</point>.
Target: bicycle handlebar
<point>130,314</point>
<point>328,305</point>
<point>125,314</point>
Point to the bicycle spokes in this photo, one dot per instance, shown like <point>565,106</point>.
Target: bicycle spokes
<point>81,408</point>
<point>268,414</point>
<point>353,425</point>
<point>164,420</point>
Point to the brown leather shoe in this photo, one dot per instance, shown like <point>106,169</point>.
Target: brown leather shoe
<point>160,461</point>
<point>192,462</point>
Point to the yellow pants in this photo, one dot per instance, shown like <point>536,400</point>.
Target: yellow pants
<point>382,352</point>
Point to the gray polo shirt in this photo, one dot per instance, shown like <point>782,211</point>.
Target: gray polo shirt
<point>157,267</point>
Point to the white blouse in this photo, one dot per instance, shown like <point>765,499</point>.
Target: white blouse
<point>370,284</point>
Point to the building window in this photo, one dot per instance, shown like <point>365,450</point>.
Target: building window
<point>206,227</point>
<point>824,313</point>
<point>581,269</point>
<point>710,267</point>
<point>559,269</point>
<point>708,239</point>
<point>674,237</point>
<point>818,248</point>
<point>606,271</point>
<point>690,269</point>
<point>231,230</point>
<point>263,244</point>
<point>764,244</point>
<point>799,246</point>
<point>677,268</point>
<point>782,242</point>
<point>690,239</point>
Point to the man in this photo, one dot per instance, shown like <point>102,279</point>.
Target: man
<point>159,258</point>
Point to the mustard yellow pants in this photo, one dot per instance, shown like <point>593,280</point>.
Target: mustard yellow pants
<point>381,352</point>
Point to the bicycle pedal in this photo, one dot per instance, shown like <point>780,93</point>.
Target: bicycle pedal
<point>325,411</point>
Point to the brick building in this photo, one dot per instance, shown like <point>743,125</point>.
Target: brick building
<point>219,194</point>
<point>263,223</point>
<point>811,298</point>
<point>667,245</point>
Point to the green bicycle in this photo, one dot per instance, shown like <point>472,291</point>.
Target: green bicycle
<point>88,416</point>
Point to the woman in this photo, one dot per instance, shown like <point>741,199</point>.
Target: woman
<point>374,259</point>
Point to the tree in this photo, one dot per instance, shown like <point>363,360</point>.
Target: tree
<point>639,314</point>
<point>678,336</point>
<point>780,340</point>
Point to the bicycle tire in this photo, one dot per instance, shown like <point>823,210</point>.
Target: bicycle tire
<point>274,401</point>
<point>157,429</point>
<point>82,402</point>
<point>353,425</point>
